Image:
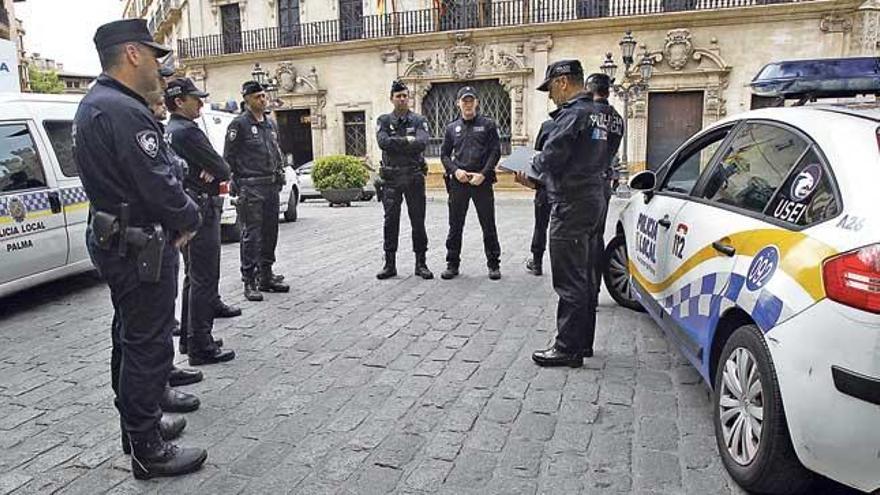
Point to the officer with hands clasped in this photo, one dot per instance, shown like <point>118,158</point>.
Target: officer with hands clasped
<point>205,171</point>
<point>258,174</point>
<point>402,136</point>
<point>139,218</point>
<point>470,151</point>
<point>571,164</point>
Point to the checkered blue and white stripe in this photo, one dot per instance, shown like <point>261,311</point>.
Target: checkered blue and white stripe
<point>73,195</point>
<point>35,201</point>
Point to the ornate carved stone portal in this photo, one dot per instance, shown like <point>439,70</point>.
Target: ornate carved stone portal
<point>465,60</point>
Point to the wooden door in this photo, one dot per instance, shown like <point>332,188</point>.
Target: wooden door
<point>672,118</point>
<point>230,19</point>
<point>289,23</point>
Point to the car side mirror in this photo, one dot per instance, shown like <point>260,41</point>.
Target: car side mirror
<point>644,181</point>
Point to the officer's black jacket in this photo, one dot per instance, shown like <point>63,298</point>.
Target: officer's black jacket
<point>397,151</point>
<point>252,148</point>
<point>191,143</point>
<point>579,150</point>
<point>471,145</point>
<point>123,158</point>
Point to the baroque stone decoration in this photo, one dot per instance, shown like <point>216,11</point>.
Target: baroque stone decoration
<point>465,60</point>
<point>301,91</point>
<point>866,30</point>
<point>835,23</point>
<point>216,4</point>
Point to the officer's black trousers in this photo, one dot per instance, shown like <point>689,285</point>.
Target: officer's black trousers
<point>574,226</point>
<point>258,210</point>
<point>142,352</point>
<point>201,258</point>
<point>598,260</point>
<point>483,196</point>
<point>412,189</point>
<point>542,220</point>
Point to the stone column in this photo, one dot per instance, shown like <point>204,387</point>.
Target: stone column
<point>537,103</point>
<point>865,38</point>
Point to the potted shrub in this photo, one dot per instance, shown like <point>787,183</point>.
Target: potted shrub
<point>340,178</point>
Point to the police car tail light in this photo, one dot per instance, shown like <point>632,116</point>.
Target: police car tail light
<point>853,278</point>
<point>224,188</point>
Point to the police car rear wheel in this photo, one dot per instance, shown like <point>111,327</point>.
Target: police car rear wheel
<point>615,271</point>
<point>750,427</point>
<point>290,214</point>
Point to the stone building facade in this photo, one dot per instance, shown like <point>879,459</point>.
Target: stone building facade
<point>333,61</point>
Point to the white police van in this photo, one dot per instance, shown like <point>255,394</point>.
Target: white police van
<point>43,207</point>
<point>756,248</point>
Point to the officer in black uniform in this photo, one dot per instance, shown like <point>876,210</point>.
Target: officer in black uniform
<point>572,163</point>
<point>258,172</point>
<point>599,86</point>
<point>403,135</point>
<point>535,264</point>
<point>470,151</point>
<point>140,217</point>
<point>206,170</point>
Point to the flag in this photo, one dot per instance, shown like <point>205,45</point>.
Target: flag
<point>381,7</point>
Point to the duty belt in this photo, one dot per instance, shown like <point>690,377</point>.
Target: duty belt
<point>114,233</point>
<point>256,181</point>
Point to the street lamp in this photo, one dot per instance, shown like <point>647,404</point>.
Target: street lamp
<point>270,84</point>
<point>633,83</point>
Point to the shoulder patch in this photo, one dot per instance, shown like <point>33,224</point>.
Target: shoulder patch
<point>148,142</point>
<point>232,134</point>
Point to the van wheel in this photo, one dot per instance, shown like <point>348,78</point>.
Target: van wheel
<point>750,427</point>
<point>615,271</point>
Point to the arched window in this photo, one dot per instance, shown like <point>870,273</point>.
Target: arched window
<point>440,108</point>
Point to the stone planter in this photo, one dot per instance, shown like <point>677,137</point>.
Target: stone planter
<point>342,196</point>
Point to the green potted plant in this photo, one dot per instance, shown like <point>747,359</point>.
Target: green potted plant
<point>340,178</point>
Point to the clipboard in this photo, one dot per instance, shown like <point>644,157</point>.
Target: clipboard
<point>519,159</point>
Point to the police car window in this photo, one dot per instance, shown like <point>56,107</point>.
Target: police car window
<point>807,196</point>
<point>688,166</point>
<point>753,166</point>
<point>62,142</point>
<point>20,166</point>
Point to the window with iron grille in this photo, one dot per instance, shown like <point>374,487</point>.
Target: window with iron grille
<point>355,124</point>
<point>440,108</point>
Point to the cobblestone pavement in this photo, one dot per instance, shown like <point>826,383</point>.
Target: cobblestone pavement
<point>351,385</point>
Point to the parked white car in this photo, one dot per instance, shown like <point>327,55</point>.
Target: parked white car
<point>756,248</point>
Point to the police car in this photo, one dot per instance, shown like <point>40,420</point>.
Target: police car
<point>756,248</point>
<point>215,123</point>
<point>43,207</point>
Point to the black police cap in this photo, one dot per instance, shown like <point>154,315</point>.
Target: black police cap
<point>599,80</point>
<point>467,91</point>
<point>182,87</point>
<point>127,31</point>
<point>251,87</point>
<point>398,86</point>
<point>561,68</point>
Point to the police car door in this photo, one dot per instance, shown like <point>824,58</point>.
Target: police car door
<point>33,237</point>
<point>724,226</point>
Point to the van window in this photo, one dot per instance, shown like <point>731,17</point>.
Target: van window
<point>20,166</point>
<point>60,137</point>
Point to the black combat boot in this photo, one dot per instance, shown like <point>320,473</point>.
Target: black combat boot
<point>268,282</point>
<point>390,268</point>
<point>170,427</point>
<point>450,272</point>
<point>494,272</point>
<point>250,291</point>
<point>174,400</point>
<point>205,351</point>
<point>152,457</point>
<point>534,266</point>
<point>183,348</point>
<point>224,310</point>
<point>183,376</point>
<point>422,267</point>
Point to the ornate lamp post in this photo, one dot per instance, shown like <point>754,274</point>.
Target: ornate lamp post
<point>633,83</point>
<point>271,84</point>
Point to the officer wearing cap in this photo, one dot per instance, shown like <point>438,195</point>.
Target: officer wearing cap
<point>598,85</point>
<point>571,164</point>
<point>139,219</point>
<point>258,172</point>
<point>403,135</point>
<point>470,151</point>
<point>206,170</point>
<point>535,264</point>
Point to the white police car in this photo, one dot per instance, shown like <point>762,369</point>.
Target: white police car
<point>756,247</point>
<point>43,207</point>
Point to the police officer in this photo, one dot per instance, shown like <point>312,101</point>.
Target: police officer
<point>471,149</point>
<point>575,156</point>
<point>206,170</point>
<point>403,135</point>
<point>599,86</point>
<point>535,264</point>
<point>258,172</point>
<point>140,217</point>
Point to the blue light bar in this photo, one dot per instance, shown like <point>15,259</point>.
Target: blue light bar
<point>820,78</point>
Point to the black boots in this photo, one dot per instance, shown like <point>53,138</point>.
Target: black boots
<point>556,357</point>
<point>224,310</point>
<point>183,376</point>
<point>494,273</point>
<point>534,266</point>
<point>450,272</point>
<point>271,283</point>
<point>422,267</point>
<point>174,400</point>
<point>152,457</point>
<point>390,268</point>
<point>183,347</point>
<point>169,429</point>
<point>203,350</point>
<point>250,291</point>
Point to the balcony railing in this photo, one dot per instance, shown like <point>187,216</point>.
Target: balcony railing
<point>460,15</point>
